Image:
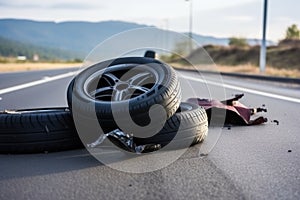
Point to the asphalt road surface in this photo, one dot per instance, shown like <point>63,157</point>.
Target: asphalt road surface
<point>257,162</point>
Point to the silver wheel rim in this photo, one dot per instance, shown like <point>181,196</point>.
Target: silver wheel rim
<point>110,84</point>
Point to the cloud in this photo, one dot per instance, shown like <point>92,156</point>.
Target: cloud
<point>65,5</point>
<point>17,4</point>
<point>240,18</point>
<point>75,6</point>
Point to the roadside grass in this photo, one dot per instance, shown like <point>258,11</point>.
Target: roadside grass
<point>245,69</point>
<point>282,60</point>
<point>27,66</point>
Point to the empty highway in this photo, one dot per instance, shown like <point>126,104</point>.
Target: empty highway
<point>255,162</point>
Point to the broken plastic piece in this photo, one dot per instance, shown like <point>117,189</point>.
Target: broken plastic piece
<point>121,139</point>
<point>256,110</point>
<point>150,54</point>
<point>275,121</point>
<point>99,141</point>
<point>147,148</point>
<point>125,142</point>
<point>236,112</point>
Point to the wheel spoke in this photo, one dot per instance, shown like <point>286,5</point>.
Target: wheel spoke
<point>118,95</point>
<point>103,96</point>
<point>139,88</point>
<point>110,78</point>
<point>112,88</point>
<point>99,91</point>
<point>138,79</point>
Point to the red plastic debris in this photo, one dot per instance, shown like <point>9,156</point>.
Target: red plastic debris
<point>236,112</point>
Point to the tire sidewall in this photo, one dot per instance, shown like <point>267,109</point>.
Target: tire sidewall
<point>77,95</point>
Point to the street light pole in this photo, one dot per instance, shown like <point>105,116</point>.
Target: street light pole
<point>262,60</point>
<point>190,24</point>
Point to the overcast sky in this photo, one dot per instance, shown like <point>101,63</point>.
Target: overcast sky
<point>218,18</point>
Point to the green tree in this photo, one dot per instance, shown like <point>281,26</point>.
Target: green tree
<point>238,42</point>
<point>181,49</point>
<point>292,32</point>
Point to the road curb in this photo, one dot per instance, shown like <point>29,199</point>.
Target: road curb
<point>248,76</point>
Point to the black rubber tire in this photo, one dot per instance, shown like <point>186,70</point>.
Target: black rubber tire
<point>168,95</point>
<point>37,131</point>
<point>193,123</point>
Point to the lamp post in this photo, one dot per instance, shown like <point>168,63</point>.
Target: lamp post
<point>262,58</point>
<point>190,24</point>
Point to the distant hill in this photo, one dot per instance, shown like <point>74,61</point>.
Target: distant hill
<point>76,36</point>
<point>81,37</point>
<point>10,48</point>
<point>205,40</point>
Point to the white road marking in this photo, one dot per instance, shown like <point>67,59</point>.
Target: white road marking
<point>38,82</point>
<point>276,96</point>
<point>61,76</point>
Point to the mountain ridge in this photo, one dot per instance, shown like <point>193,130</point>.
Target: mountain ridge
<point>79,36</point>
<point>12,48</point>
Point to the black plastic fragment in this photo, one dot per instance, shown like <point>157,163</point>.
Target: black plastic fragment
<point>150,54</point>
<point>125,142</point>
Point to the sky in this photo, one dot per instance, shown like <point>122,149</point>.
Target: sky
<point>219,18</point>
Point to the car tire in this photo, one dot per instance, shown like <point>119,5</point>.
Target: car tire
<point>165,91</point>
<point>37,131</point>
<point>189,124</point>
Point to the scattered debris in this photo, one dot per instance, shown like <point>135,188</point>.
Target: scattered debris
<point>227,126</point>
<point>125,142</point>
<point>236,112</point>
<point>203,154</point>
<point>275,121</point>
<point>256,110</point>
<point>150,54</point>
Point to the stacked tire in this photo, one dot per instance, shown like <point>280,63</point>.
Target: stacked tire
<point>37,131</point>
<point>139,89</point>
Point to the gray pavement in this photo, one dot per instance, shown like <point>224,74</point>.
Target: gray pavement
<point>246,163</point>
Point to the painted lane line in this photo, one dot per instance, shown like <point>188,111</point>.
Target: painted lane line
<point>38,82</point>
<point>276,96</point>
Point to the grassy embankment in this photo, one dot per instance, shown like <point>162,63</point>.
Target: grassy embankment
<point>11,65</point>
<point>282,60</point>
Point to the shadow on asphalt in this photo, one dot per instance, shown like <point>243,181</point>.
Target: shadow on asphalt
<point>17,166</point>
